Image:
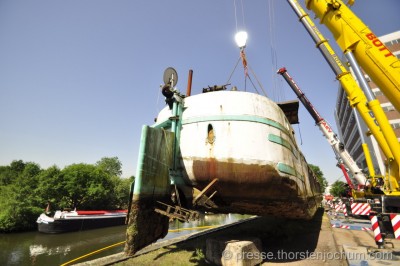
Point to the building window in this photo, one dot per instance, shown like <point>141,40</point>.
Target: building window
<point>388,108</point>
<point>393,42</point>
<point>396,125</point>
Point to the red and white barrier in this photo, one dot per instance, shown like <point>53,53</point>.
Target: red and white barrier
<point>395,220</point>
<point>376,229</point>
<point>344,209</point>
<point>360,208</point>
<point>341,226</point>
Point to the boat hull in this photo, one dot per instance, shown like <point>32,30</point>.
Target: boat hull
<point>245,142</point>
<point>63,225</point>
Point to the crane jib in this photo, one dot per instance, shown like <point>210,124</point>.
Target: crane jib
<point>377,43</point>
<point>326,126</point>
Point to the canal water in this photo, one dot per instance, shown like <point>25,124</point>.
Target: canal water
<point>34,248</point>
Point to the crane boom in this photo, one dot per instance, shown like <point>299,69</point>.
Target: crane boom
<point>351,34</point>
<point>326,129</point>
<point>370,110</point>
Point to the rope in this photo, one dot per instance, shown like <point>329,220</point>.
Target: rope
<point>192,228</point>
<point>122,242</point>
<point>274,57</point>
<point>234,7</point>
<point>243,56</point>
<point>301,139</point>
<point>253,85</point>
<point>259,83</point>
<point>236,19</point>
<point>244,25</point>
<point>92,253</point>
<point>237,63</point>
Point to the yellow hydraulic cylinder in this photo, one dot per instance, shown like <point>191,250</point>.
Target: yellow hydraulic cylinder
<point>352,34</point>
<point>358,100</point>
<point>386,129</point>
<point>368,159</point>
<point>391,186</point>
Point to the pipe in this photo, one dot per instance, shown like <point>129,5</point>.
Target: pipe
<point>189,86</point>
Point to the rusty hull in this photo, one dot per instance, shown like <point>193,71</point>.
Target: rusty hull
<point>254,189</point>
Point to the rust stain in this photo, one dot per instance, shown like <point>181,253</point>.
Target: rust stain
<point>258,181</point>
<point>253,189</point>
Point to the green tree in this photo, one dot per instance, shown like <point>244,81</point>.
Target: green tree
<point>9,174</point>
<point>25,190</point>
<point>338,188</point>
<point>121,187</point>
<point>87,186</point>
<point>110,165</point>
<point>50,187</point>
<point>6,175</point>
<point>17,166</point>
<point>18,202</point>
<point>321,179</point>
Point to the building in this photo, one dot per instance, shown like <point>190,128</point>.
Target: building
<point>346,117</point>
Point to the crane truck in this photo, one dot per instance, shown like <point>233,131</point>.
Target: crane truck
<point>343,156</point>
<point>364,195</point>
<point>358,42</point>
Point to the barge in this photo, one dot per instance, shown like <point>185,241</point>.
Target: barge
<point>69,221</point>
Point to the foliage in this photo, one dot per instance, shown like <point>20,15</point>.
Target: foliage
<point>87,186</point>
<point>321,179</point>
<point>26,189</point>
<point>121,187</point>
<point>51,187</point>
<point>338,188</point>
<point>111,166</point>
<point>18,202</point>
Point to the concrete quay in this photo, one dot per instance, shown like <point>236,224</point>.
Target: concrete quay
<point>291,242</point>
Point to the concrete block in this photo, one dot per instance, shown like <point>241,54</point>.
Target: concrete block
<point>246,252</point>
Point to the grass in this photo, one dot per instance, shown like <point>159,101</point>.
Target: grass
<point>170,255</point>
<point>274,234</point>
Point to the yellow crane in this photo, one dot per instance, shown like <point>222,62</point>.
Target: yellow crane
<point>361,47</point>
<point>349,32</point>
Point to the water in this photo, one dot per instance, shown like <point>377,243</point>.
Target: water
<point>34,248</point>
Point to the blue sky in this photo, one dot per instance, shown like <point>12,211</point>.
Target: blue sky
<point>78,79</point>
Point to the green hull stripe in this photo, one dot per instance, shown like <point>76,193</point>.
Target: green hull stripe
<point>248,118</point>
<point>141,156</point>
<point>287,169</point>
<point>164,124</point>
<point>283,142</point>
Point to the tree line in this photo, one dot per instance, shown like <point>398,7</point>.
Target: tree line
<point>26,189</point>
<point>320,177</point>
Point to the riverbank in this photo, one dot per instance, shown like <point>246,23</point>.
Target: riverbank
<point>315,242</point>
<point>275,234</point>
<point>34,248</point>
<point>177,242</point>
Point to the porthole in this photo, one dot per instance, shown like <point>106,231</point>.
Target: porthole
<point>210,134</point>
